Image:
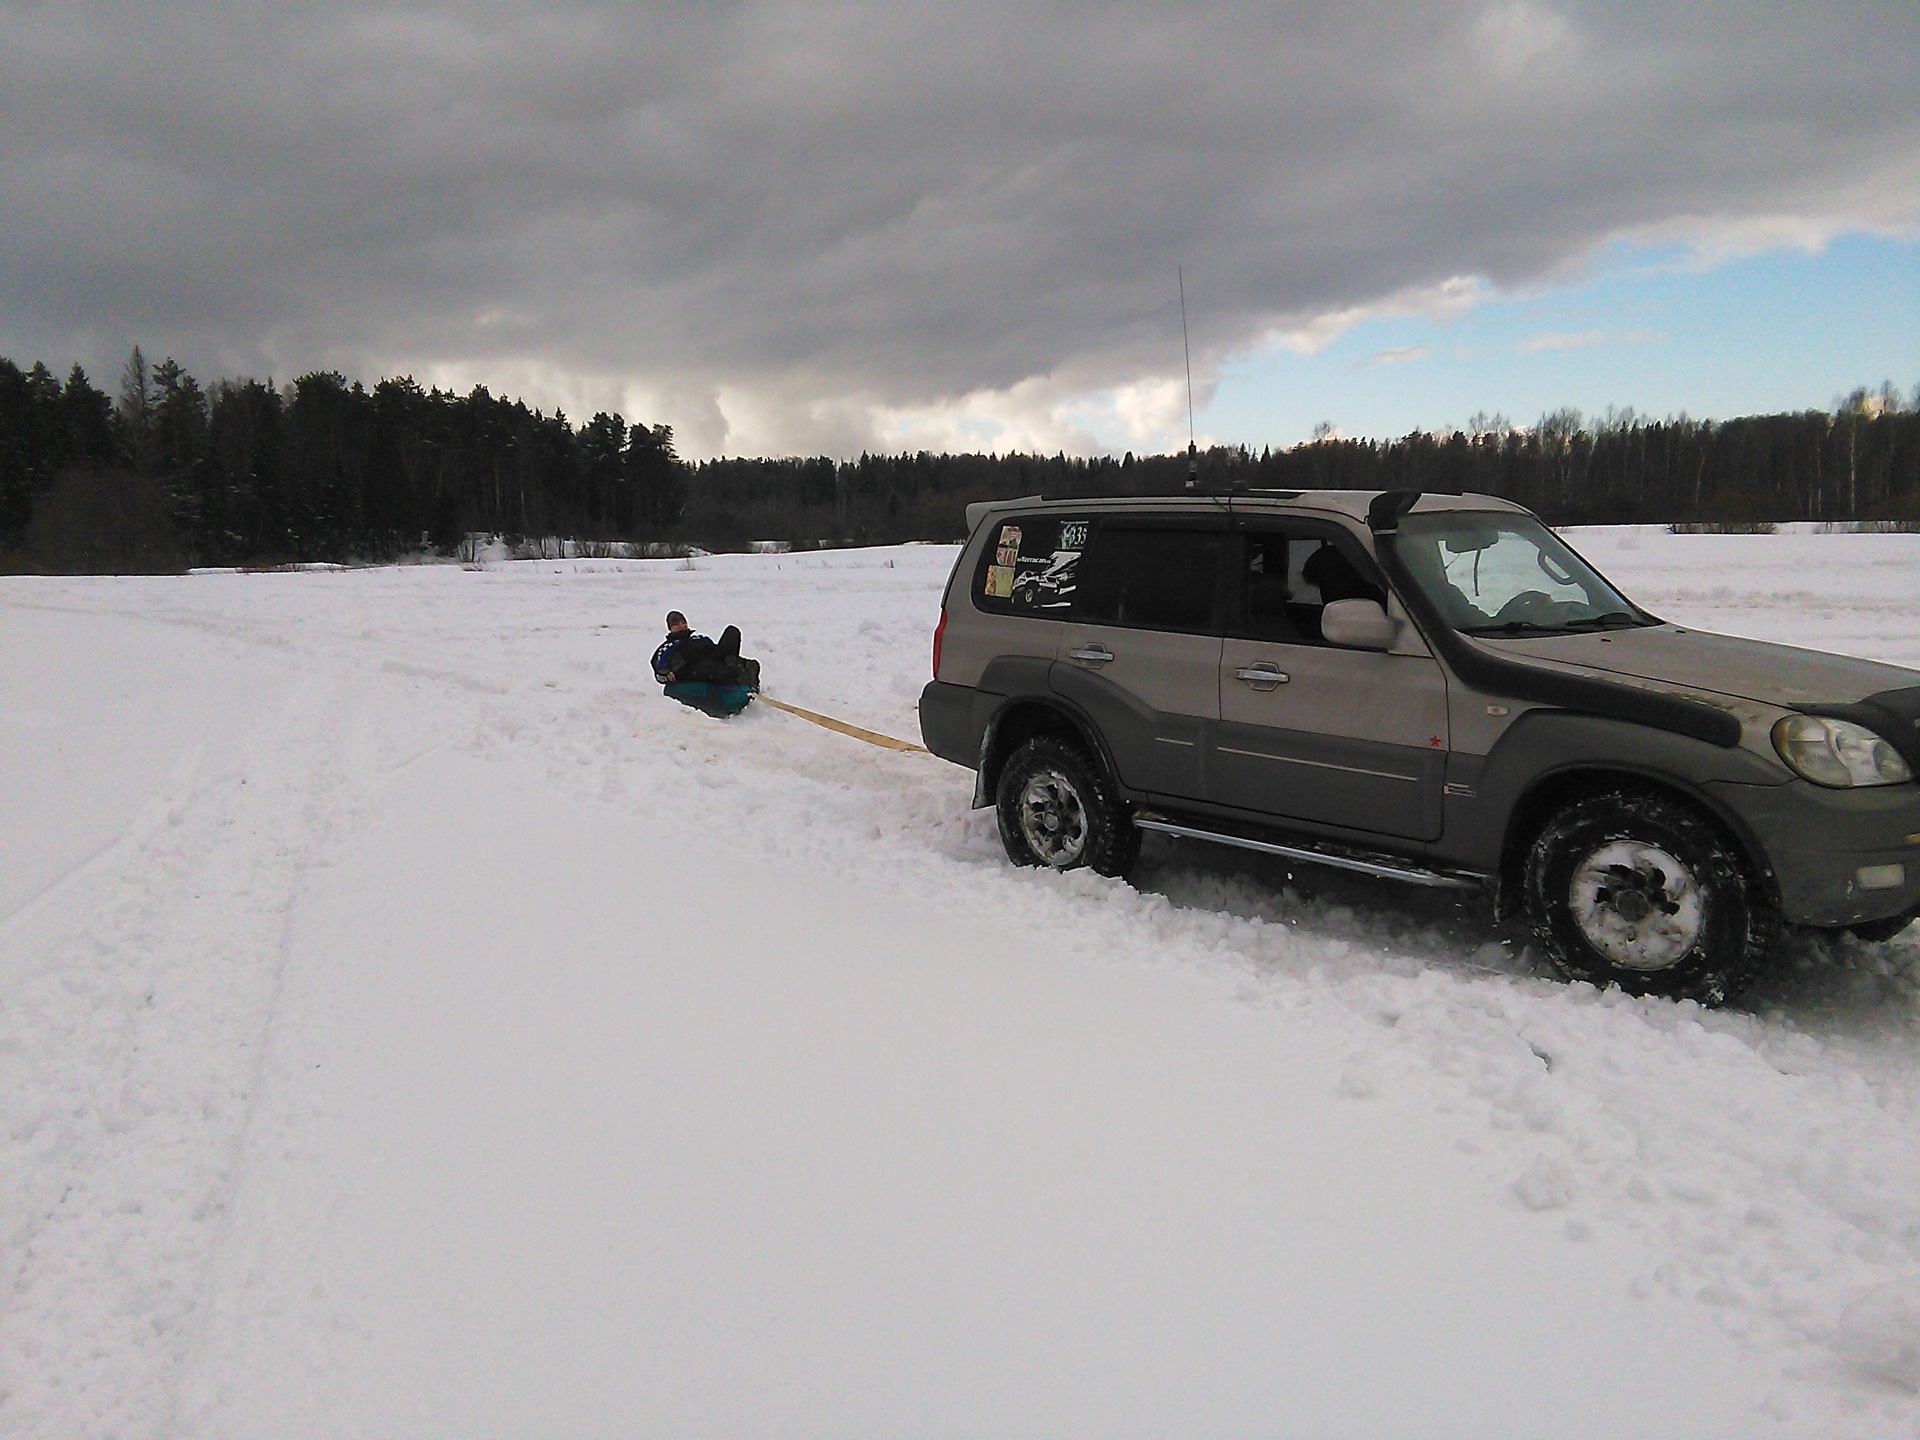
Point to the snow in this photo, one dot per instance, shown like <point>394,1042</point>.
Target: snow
<point>412,1024</point>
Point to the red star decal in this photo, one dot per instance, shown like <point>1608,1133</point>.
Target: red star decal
<point>1435,742</point>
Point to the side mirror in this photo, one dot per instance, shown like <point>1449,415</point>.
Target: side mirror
<point>1358,625</point>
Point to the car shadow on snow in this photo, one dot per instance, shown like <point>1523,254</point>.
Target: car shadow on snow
<point>1835,981</point>
<point>1823,981</point>
<point>1396,928</point>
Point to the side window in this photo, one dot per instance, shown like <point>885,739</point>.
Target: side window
<point>1031,566</point>
<point>1150,579</point>
<point>1266,591</point>
<point>1287,579</point>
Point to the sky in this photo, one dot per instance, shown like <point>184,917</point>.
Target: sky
<point>788,228</point>
<point>1651,329</point>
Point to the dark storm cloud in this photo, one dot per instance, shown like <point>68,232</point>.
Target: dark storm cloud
<point>809,211</point>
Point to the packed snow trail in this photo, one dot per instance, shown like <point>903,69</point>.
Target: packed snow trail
<point>132,1045</point>
<point>380,1088</point>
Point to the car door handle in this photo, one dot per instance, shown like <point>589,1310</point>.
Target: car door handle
<point>1092,654</point>
<point>1262,676</point>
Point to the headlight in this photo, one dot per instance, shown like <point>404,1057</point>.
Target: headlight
<point>1838,753</point>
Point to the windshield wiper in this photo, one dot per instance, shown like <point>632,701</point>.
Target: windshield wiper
<point>1513,627</point>
<point>1612,620</point>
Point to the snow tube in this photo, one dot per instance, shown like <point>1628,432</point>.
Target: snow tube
<point>713,698</point>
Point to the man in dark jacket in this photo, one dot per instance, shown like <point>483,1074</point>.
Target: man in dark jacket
<point>685,655</point>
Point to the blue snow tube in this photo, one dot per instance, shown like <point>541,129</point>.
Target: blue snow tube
<point>715,699</point>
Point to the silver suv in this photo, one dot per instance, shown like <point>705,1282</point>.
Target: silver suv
<point>1432,688</point>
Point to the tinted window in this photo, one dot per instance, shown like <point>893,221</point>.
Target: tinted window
<point>1031,565</point>
<point>1287,580</point>
<point>1152,579</point>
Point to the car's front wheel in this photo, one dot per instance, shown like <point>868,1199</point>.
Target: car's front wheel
<point>1057,808</point>
<point>1635,889</point>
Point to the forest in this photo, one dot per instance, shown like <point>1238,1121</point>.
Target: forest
<point>165,474</point>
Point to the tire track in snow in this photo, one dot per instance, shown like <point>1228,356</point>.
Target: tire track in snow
<point>134,1046</point>
<point>145,824</point>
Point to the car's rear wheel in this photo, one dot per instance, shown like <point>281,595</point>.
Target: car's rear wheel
<point>1057,808</point>
<point>1638,890</point>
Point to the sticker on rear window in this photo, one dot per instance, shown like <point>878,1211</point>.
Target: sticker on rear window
<point>1033,564</point>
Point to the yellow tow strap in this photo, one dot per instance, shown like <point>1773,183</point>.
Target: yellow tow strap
<point>872,737</point>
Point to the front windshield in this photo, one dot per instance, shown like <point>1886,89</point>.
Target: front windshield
<point>1496,573</point>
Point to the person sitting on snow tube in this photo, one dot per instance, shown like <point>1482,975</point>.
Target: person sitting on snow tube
<point>688,656</point>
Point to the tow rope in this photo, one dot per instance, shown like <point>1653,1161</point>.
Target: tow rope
<point>871,737</point>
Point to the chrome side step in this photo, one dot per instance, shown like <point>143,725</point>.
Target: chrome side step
<point>1385,868</point>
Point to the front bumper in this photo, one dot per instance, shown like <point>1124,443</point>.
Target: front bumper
<point>1839,857</point>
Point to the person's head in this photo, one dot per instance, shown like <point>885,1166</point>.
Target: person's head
<point>676,622</point>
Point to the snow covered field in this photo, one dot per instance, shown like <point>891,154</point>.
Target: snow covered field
<point>412,1024</point>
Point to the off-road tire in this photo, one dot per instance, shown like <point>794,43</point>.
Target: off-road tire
<point>1602,886</point>
<point>1090,825</point>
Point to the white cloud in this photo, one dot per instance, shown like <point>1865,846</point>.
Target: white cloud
<point>1584,339</point>
<point>1562,340</point>
<point>1512,40</point>
<point>1449,299</point>
<point>1149,410</point>
<point>1036,415</point>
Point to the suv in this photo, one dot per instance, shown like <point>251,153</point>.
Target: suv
<point>1432,688</point>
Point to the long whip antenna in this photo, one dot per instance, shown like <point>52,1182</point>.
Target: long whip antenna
<point>1186,347</point>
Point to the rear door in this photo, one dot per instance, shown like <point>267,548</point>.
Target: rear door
<point>1140,652</point>
<point>1310,731</point>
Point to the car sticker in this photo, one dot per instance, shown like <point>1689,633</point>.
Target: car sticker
<point>1043,581</point>
<point>1046,583</point>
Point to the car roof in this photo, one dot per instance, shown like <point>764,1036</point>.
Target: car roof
<point>1348,504</point>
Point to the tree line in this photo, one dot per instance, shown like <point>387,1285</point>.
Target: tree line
<point>166,473</point>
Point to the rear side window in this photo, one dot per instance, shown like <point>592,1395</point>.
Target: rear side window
<point>1150,579</point>
<point>1031,566</point>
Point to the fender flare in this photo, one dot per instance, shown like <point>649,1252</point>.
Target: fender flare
<point>1014,679</point>
<point>1522,792</point>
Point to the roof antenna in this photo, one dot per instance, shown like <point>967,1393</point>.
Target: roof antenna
<point>1193,457</point>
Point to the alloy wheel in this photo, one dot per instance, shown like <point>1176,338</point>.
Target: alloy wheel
<point>1052,819</point>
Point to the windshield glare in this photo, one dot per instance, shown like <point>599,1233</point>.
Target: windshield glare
<point>1496,573</point>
